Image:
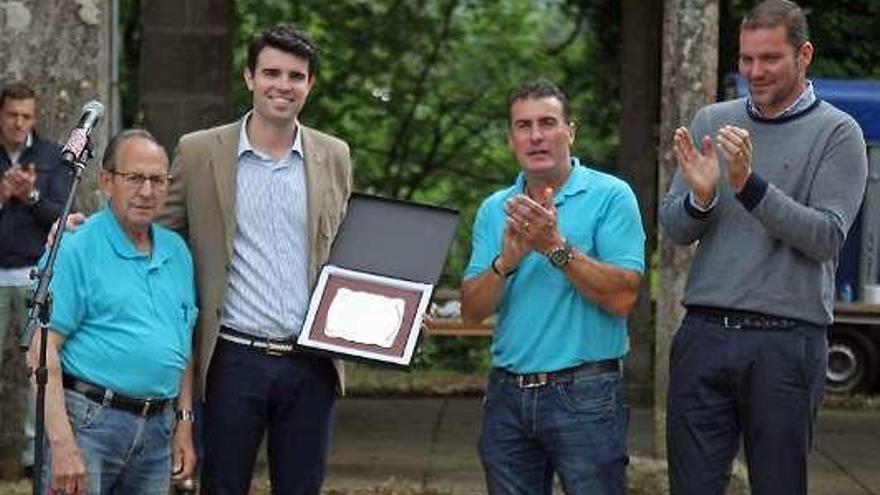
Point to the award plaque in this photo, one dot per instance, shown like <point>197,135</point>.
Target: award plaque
<point>371,296</point>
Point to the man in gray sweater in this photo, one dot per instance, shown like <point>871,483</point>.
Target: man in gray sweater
<point>769,197</point>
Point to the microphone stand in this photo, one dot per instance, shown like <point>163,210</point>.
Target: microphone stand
<point>39,300</point>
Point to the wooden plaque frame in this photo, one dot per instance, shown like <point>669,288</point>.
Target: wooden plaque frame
<point>416,298</point>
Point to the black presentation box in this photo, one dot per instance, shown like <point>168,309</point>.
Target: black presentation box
<point>374,290</point>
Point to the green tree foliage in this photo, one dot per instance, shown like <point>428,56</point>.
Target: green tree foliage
<point>419,88</point>
<point>844,32</point>
<point>129,59</point>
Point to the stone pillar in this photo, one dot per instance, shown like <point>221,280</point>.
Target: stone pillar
<point>185,74</point>
<point>61,48</point>
<point>689,81</point>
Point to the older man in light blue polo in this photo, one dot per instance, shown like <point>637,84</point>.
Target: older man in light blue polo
<point>120,338</point>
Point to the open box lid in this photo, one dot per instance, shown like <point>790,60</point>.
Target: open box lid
<point>394,238</point>
<point>372,294</point>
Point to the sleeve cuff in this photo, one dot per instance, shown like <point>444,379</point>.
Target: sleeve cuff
<point>753,191</point>
<point>697,211</point>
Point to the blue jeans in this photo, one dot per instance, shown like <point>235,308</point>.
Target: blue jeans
<point>763,385</point>
<point>576,430</point>
<point>123,453</point>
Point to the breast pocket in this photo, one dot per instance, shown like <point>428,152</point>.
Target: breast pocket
<point>173,296</point>
<point>187,318</point>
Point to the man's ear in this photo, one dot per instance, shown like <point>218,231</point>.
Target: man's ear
<point>105,182</point>
<point>248,78</point>
<point>805,54</point>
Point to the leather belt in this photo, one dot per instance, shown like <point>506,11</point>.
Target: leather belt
<point>272,347</point>
<point>567,375</point>
<point>141,407</point>
<point>737,319</point>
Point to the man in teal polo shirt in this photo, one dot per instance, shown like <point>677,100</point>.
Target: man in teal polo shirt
<point>120,337</point>
<point>559,255</point>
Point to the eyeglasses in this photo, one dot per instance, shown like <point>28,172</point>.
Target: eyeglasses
<point>137,180</point>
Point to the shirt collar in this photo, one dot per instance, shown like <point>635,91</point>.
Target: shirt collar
<point>122,244</point>
<point>576,182</point>
<point>803,102</point>
<point>244,144</point>
<point>14,156</point>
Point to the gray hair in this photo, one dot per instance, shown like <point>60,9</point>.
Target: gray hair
<point>108,163</point>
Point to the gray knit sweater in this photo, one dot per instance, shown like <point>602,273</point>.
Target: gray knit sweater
<point>773,247</point>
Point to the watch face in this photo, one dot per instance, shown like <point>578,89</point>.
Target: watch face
<point>560,256</point>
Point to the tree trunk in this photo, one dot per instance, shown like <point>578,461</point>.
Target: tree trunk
<point>185,70</point>
<point>637,164</point>
<point>61,49</point>
<point>689,81</point>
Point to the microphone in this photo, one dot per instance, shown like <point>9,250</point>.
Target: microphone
<point>79,136</point>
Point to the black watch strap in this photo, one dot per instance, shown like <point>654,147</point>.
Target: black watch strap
<point>497,271</point>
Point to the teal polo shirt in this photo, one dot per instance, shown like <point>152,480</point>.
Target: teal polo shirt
<point>127,317</point>
<point>543,323</point>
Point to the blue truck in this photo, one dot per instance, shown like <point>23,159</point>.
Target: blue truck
<point>854,338</point>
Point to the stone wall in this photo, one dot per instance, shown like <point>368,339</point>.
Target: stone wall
<point>185,73</point>
<point>61,48</point>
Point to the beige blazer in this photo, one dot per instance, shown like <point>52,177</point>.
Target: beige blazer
<point>201,208</point>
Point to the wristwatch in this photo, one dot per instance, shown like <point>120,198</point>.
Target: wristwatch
<point>33,197</point>
<point>561,255</point>
<point>185,415</point>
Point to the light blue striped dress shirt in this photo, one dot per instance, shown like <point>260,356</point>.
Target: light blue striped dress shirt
<point>806,98</point>
<point>268,293</point>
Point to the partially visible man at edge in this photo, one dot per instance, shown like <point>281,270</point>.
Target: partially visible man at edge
<point>33,188</point>
<point>118,348</point>
<point>769,197</point>
<point>259,202</point>
<point>559,255</point>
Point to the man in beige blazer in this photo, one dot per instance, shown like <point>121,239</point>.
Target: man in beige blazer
<point>259,202</point>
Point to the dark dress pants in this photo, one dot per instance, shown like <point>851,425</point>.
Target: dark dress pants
<point>761,385</point>
<point>250,393</point>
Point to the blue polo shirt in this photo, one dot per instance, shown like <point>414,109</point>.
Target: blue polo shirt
<point>127,316</point>
<point>543,323</point>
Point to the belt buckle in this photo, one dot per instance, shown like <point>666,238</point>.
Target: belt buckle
<point>274,348</point>
<point>146,408</point>
<point>727,322</point>
<point>542,379</point>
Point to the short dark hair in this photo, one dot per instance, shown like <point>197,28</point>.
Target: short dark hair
<point>540,88</point>
<point>108,162</point>
<point>288,39</point>
<point>775,13</point>
<point>17,91</point>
